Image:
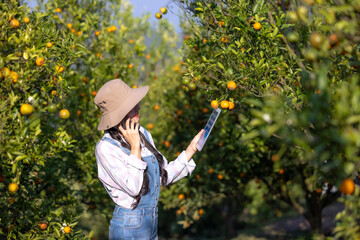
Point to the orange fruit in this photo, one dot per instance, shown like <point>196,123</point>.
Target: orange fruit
<point>274,157</point>
<point>43,225</point>
<point>214,104</point>
<point>225,39</point>
<point>40,61</point>
<point>58,10</point>
<point>281,171</point>
<point>201,211</point>
<point>14,23</point>
<point>156,107</point>
<point>97,33</point>
<point>179,112</point>
<point>14,76</point>
<point>347,187</point>
<point>204,40</point>
<point>163,10</point>
<point>135,86</point>
<point>220,144</point>
<point>13,187</point>
<point>26,20</point>
<point>49,44</point>
<point>176,68</point>
<point>205,110</point>
<point>181,196</point>
<point>178,212</point>
<point>113,28</point>
<point>210,171</point>
<point>231,105</point>
<point>64,113</point>
<point>231,85</point>
<point>224,104</point>
<point>220,176</point>
<point>5,72</point>
<point>84,79</point>
<point>257,26</point>
<point>130,66</point>
<point>150,126</point>
<point>59,69</point>
<point>53,92</point>
<point>26,109</point>
<point>69,25</point>
<point>221,23</point>
<point>93,93</point>
<point>147,56</point>
<point>131,41</point>
<point>78,112</point>
<point>79,33</point>
<point>197,176</point>
<point>158,15</point>
<point>318,190</point>
<point>11,200</point>
<point>67,229</point>
<point>73,30</point>
<point>167,143</point>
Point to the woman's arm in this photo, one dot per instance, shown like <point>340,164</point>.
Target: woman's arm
<point>119,170</point>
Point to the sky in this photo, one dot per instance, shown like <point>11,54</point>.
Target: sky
<point>148,6</point>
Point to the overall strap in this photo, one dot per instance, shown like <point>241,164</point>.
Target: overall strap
<point>112,141</point>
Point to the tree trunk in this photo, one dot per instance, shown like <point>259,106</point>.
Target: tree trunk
<point>314,216</point>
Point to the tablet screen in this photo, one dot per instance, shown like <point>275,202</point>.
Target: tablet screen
<point>208,127</point>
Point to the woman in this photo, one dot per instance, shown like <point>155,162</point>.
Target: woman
<point>129,166</point>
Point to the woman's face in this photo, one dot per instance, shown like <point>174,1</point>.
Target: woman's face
<point>134,114</point>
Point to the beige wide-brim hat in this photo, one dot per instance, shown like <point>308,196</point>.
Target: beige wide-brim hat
<point>116,99</point>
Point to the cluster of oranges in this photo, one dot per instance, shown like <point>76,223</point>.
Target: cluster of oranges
<point>163,10</point>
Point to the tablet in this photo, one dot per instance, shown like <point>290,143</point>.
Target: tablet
<point>208,127</point>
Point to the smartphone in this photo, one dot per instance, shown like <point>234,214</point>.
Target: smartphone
<point>209,126</point>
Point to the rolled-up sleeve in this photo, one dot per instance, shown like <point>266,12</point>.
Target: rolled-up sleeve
<point>119,170</point>
<point>179,168</point>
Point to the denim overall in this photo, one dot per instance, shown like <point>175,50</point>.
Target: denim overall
<point>139,223</point>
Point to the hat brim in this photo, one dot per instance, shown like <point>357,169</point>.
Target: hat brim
<point>111,119</point>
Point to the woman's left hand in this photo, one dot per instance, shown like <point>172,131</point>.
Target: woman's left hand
<point>191,149</point>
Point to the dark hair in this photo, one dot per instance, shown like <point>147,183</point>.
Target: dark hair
<point>117,135</point>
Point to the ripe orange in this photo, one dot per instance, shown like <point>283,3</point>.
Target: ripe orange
<point>64,113</point>
<point>225,39</point>
<point>197,176</point>
<point>14,23</point>
<point>130,66</point>
<point>135,86</point>
<point>43,225</point>
<point>58,10</point>
<point>221,23</point>
<point>281,171</point>
<point>67,229</point>
<point>49,44</point>
<point>224,104</point>
<point>131,41</point>
<point>26,109</point>
<point>40,61</point>
<point>176,68</point>
<point>59,69</point>
<point>257,26</point>
<point>147,56</point>
<point>181,196</point>
<point>158,15</point>
<point>79,33</point>
<point>53,92</point>
<point>150,126</point>
<point>231,105</point>
<point>318,190</point>
<point>73,30</point>
<point>333,39</point>
<point>14,76</point>
<point>201,211</point>
<point>84,79</point>
<point>163,10</point>
<point>214,104</point>
<point>93,93</point>
<point>97,33</point>
<point>167,143</point>
<point>204,40</point>
<point>26,20</point>
<point>69,25</point>
<point>205,110</point>
<point>220,144</point>
<point>78,112</point>
<point>156,107</point>
<point>210,171</point>
<point>113,28</point>
<point>347,187</point>
<point>178,212</point>
<point>231,85</point>
<point>13,187</point>
<point>179,112</point>
<point>220,176</point>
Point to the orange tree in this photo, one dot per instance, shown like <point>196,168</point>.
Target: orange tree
<point>294,71</point>
<point>37,196</point>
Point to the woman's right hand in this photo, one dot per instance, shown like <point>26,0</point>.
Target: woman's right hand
<point>132,136</point>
